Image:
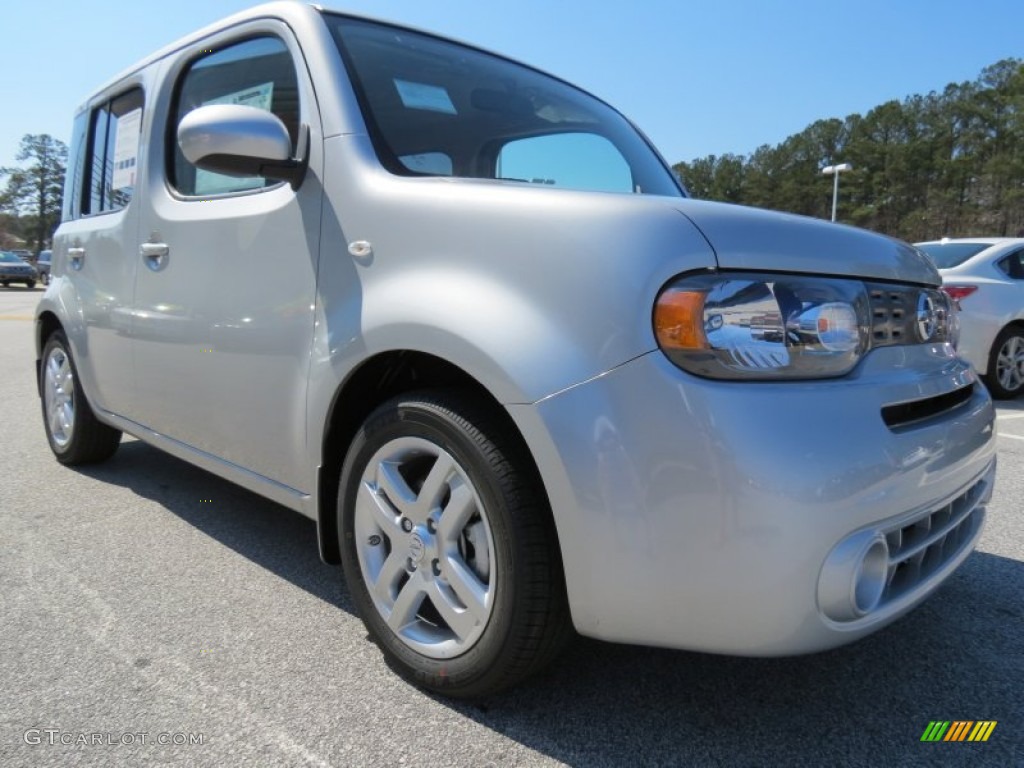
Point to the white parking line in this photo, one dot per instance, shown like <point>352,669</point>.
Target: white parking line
<point>1012,437</point>
<point>1008,416</point>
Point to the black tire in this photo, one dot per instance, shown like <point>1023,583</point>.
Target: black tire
<point>528,623</point>
<point>5,283</point>
<point>88,440</point>
<point>1008,382</point>
<point>31,284</point>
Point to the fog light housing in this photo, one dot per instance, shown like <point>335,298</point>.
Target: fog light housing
<point>853,577</point>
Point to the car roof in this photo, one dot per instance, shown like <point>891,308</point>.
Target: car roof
<point>985,240</point>
<point>286,10</point>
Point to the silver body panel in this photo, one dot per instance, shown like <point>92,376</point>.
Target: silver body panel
<point>690,513</point>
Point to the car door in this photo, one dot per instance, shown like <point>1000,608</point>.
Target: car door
<point>95,243</point>
<point>224,295</point>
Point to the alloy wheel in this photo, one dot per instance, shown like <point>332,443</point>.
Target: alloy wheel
<point>1010,364</point>
<point>59,396</point>
<point>425,547</point>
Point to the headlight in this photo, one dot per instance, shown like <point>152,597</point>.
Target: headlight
<point>755,326</point>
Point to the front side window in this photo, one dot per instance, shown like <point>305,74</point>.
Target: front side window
<point>111,163</point>
<point>257,73</point>
<point>434,107</point>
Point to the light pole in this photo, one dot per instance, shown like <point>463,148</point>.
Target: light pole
<point>834,171</point>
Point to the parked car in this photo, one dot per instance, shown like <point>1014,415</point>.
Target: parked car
<point>14,270</point>
<point>521,382</point>
<point>986,276</point>
<point>43,266</point>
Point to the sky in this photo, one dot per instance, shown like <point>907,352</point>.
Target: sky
<point>699,77</point>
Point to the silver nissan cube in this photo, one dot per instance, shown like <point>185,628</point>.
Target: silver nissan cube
<point>462,315</point>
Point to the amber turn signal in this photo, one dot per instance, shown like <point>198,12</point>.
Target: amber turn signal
<point>679,320</point>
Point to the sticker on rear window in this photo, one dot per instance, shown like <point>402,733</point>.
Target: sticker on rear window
<point>433,98</point>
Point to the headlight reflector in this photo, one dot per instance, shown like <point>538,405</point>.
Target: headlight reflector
<point>759,326</point>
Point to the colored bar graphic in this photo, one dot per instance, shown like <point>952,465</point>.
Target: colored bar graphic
<point>959,730</point>
<point>982,730</point>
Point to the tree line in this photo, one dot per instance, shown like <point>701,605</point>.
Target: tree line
<point>946,164</point>
<point>30,202</point>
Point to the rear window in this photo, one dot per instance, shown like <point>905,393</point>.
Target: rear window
<point>949,255</point>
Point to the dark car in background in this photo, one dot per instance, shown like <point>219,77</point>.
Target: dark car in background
<point>14,270</point>
<point>43,266</point>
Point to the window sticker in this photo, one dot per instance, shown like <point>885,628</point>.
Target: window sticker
<point>126,149</point>
<point>259,96</point>
<point>432,98</point>
<point>211,183</point>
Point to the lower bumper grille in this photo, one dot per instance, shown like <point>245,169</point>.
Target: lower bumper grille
<point>921,547</point>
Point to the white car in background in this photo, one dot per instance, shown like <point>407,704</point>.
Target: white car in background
<point>986,276</point>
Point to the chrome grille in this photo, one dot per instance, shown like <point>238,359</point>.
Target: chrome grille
<point>892,314</point>
<point>922,546</point>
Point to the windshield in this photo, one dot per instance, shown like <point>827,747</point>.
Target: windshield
<point>949,255</point>
<point>437,108</point>
<point>6,256</point>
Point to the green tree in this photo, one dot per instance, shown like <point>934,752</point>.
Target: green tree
<point>948,163</point>
<point>34,191</point>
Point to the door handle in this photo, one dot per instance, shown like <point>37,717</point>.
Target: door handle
<point>75,257</point>
<point>155,255</point>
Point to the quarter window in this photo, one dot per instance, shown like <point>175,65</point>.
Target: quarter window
<point>574,160</point>
<point>257,73</point>
<point>111,164</point>
<point>1013,265</point>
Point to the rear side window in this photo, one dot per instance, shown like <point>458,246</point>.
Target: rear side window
<point>110,162</point>
<point>949,255</point>
<point>257,73</point>
<point>76,169</point>
<point>1013,265</point>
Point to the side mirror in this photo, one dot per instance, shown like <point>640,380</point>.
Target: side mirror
<point>242,141</point>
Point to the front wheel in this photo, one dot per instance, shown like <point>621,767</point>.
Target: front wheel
<point>31,284</point>
<point>1005,377</point>
<point>448,546</point>
<point>74,433</point>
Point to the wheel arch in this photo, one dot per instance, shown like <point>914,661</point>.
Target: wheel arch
<point>46,324</point>
<point>376,380</point>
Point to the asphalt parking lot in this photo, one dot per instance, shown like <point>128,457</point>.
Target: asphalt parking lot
<point>145,600</point>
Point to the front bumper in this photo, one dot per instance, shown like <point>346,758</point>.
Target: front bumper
<point>19,277</point>
<point>705,515</point>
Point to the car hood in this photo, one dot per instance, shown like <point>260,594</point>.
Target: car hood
<point>755,239</point>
